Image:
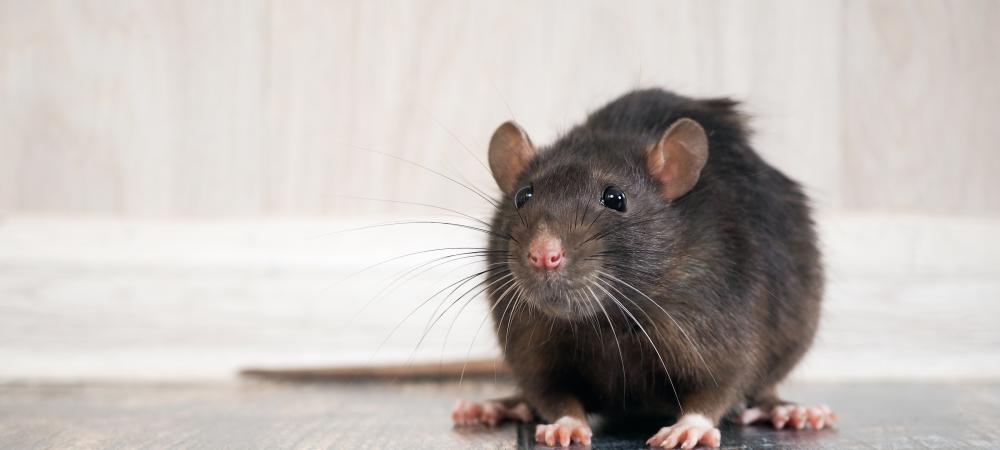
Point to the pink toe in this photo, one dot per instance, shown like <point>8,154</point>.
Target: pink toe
<point>492,413</point>
<point>674,438</point>
<point>751,415</point>
<point>564,435</point>
<point>779,417</point>
<point>692,439</point>
<point>816,418</point>
<point>714,438</point>
<point>658,437</point>
<point>473,412</point>
<point>831,417</point>
<point>798,417</point>
<point>550,436</point>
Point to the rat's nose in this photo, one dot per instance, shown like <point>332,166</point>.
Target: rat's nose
<point>546,252</point>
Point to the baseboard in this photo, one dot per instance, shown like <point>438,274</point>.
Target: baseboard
<point>97,298</point>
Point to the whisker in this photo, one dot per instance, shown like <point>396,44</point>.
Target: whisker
<point>398,257</point>
<point>414,311</point>
<point>471,183</point>
<point>649,338</point>
<point>489,268</point>
<point>519,216</point>
<point>516,296</point>
<point>468,353</point>
<point>502,99</point>
<point>454,136</point>
<point>434,263</point>
<point>517,302</point>
<point>505,274</point>
<point>620,228</point>
<point>591,238</point>
<point>404,202</point>
<point>592,316</point>
<point>635,269</point>
<point>414,222</point>
<point>421,166</point>
<point>576,213</point>
<point>469,302</point>
<point>473,297</point>
<point>502,316</point>
<point>621,356</point>
<point>669,316</point>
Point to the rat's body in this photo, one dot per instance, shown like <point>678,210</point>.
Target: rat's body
<point>640,278</point>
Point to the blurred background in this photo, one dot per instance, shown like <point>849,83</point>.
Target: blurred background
<point>182,183</point>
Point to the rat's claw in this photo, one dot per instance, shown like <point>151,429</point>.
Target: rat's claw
<point>466,413</point>
<point>781,416</point>
<point>490,413</point>
<point>822,416</point>
<point>689,431</point>
<point>791,416</point>
<point>564,432</point>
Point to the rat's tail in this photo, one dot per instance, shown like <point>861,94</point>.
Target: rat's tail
<point>480,368</point>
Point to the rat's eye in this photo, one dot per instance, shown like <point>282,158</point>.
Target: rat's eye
<point>522,196</point>
<point>613,198</point>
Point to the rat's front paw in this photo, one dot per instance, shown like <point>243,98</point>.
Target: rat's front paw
<point>563,432</point>
<point>689,431</point>
<point>791,416</point>
<point>490,413</point>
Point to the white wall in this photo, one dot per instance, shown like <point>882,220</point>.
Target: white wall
<point>251,108</point>
<point>178,133</point>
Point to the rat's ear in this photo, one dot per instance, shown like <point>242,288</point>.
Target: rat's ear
<point>677,159</point>
<point>510,153</point>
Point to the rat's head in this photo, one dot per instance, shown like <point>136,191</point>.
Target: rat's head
<point>590,218</point>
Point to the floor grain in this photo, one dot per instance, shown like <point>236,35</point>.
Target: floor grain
<point>252,414</point>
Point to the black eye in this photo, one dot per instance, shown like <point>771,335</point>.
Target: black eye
<point>613,198</point>
<point>522,196</point>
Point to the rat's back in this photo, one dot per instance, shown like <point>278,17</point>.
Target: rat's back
<point>753,207</point>
<point>649,112</point>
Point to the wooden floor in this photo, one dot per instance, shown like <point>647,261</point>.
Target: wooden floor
<point>255,414</point>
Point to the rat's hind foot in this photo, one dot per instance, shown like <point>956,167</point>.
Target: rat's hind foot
<point>490,412</point>
<point>563,432</point>
<point>790,416</point>
<point>689,431</point>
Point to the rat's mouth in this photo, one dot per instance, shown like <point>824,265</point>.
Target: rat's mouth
<point>568,292</point>
<point>562,298</point>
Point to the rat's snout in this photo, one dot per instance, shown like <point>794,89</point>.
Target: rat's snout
<point>546,252</point>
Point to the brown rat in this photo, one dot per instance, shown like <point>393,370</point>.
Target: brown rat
<point>659,265</point>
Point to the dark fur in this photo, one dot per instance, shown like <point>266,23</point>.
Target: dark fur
<point>734,261</point>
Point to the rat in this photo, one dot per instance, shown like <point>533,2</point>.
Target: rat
<point>649,261</point>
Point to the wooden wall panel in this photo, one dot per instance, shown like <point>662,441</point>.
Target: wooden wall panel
<point>250,108</point>
<point>921,103</point>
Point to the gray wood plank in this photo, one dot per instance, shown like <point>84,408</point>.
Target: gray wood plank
<point>416,415</point>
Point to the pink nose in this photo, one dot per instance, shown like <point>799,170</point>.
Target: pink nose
<point>546,252</point>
